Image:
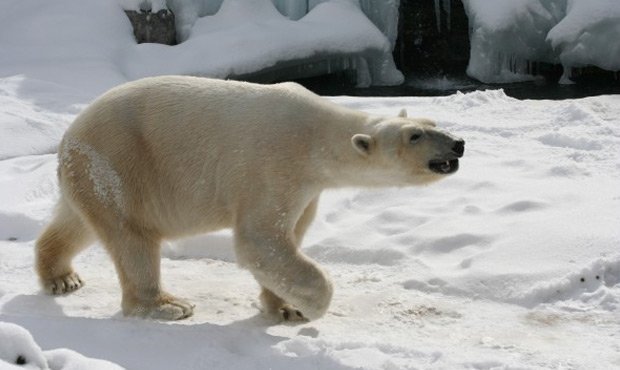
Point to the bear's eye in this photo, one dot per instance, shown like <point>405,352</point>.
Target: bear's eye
<point>415,137</point>
<point>20,360</point>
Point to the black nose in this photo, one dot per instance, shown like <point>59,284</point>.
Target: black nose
<point>459,147</point>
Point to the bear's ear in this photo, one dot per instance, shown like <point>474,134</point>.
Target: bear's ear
<point>402,113</point>
<point>362,143</point>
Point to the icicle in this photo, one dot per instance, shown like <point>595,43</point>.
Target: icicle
<point>566,75</point>
<point>438,15</point>
<point>447,8</point>
<point>293,9</point>
<point>530,69</point>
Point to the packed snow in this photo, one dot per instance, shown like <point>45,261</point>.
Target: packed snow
<point>508,37</point>
<point>511,263</point>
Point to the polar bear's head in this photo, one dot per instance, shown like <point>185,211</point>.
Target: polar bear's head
<point>409,150</point>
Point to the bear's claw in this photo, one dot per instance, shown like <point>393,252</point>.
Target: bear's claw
<point>172,311</point>
<point>290,313</point>
<point>166,308</point>
<point>63,284</point>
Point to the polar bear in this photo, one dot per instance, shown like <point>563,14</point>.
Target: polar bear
<point>165,157</point>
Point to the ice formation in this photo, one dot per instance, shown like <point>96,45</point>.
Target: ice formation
<point>445,4</point>
<point>588,35</point>
<point>508,38</point>
<point>292,9</point>
<point>239,38</point>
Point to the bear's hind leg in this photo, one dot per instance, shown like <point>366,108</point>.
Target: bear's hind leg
<point>65,236</point>
<point>137,259</point>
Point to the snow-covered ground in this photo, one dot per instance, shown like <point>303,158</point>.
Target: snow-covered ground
<point>512,263</point>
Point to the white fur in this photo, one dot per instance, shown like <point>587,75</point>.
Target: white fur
<point>166,157</point>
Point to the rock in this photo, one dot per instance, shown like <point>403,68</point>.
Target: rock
<point>153,27</point>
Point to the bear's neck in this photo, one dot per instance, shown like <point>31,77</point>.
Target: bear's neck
<point>338,163</point>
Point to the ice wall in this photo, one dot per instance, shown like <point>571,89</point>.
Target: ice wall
<point>377,69</point>
<point>588,35</point>
<point>507,38</point>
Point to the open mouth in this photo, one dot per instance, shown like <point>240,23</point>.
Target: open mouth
<point>444,167</point>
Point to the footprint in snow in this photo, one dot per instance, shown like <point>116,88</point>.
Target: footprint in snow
<point>522,206</point>
<point>451,243</point>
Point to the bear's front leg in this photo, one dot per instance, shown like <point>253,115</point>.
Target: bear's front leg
<point>293,281</point>
<point>276,307</point>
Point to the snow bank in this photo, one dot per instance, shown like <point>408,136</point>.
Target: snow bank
<point>20,351</point>
<point>75,45</point>
<point>94,49</point>
<point>594,286</point>
<point>507,38</point>
<point>33,130</point>
<point>236,46</point>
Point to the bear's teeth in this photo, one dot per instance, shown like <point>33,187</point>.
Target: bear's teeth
<point>445,167</point>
